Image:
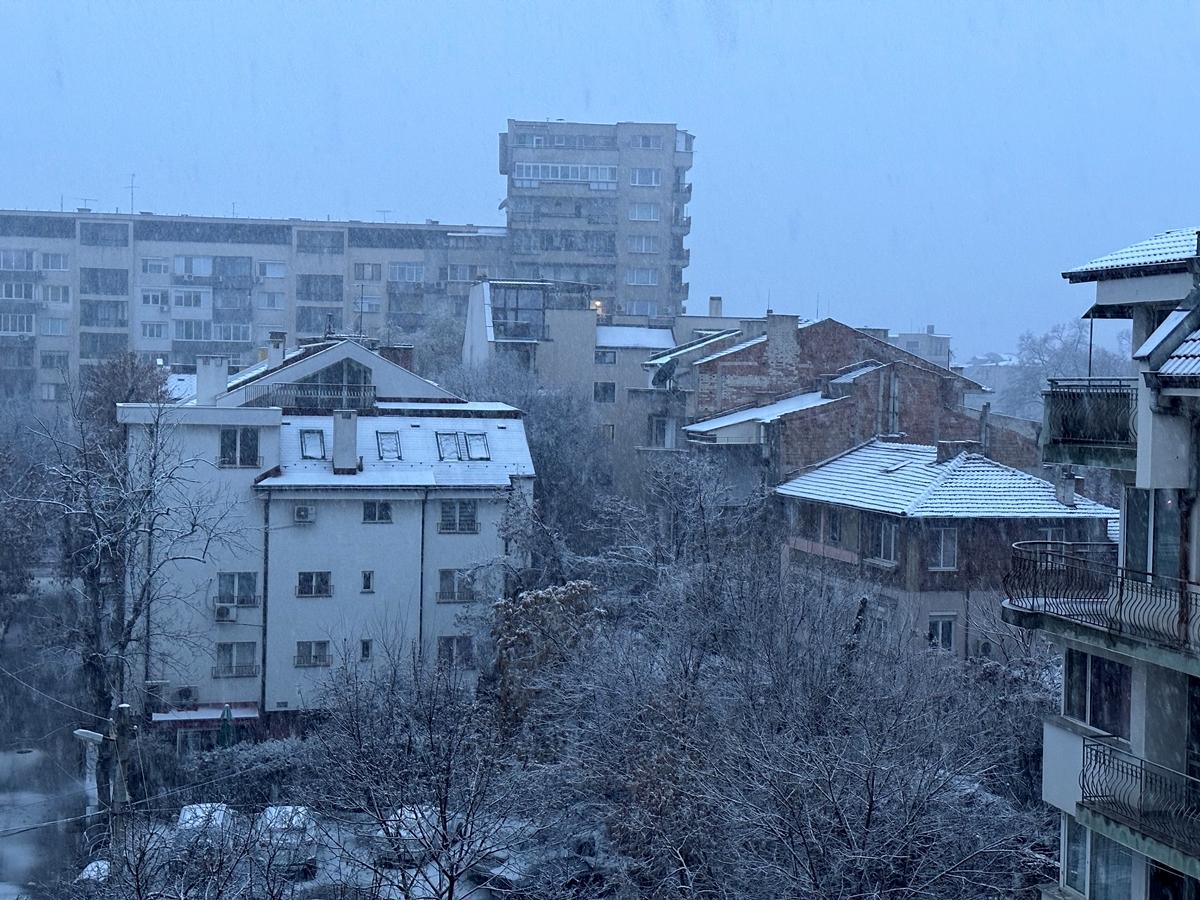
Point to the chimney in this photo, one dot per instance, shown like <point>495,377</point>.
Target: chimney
<point>714,307</point>
<point>400,354</point>
<point>275,345</point>
<point>345,442</point>
<point>929,329</point>
<point>212,379</point>
<point>948,450</point>
<point>1066,483</point>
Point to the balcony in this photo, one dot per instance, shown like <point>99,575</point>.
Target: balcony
<point>518,331</point>
<point>312,397</point>
<point>1083,585</point>
<point>682,223</point>
<point>312,662</point>
<point>681,255</point>
<point>684,190</point>
<point>1091,422</point>
<point>235,671</point>
<point>239,599</point>
<point>1149,798</point>
<point>464,595</point>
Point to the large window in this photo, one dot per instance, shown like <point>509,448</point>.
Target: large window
<point>529,174</point>
<point>155,298</point>
<point>238,587</point>
<point>192,299</point>
<point>368,271</point>
<point>411,272</point>
<point>16,290</point>
<point>646,142</point>
<point>55,326</point>
<point>312,653</point>
<point>55,359</point>
<point>238,659</point>
<point>941,632</point>
<point>54,262</point>
<point>643,243</point>
<point>456,650</point>
<point>377,511</point>
<point>314,584</point>
<point>112,282</point>
<point>270,299</point>
<point>886,546</point>
<point>17,260</point>
<point>239,447</point>
<point>16,323</point>
<point>943,549</point>
<point>604,391</point>
<point>641,275</point>
<point>196,266</point>
<point>454,586</point>
<point>458,517</point>
<point>1096,691</point>
<point>606,357</point>
<point>319,288</point>
<point>645,177</point>
<point>154,265</point>
<point>643,212</point>
<point>271,269</point>
<point>154,330</point>
<point>56,293</point>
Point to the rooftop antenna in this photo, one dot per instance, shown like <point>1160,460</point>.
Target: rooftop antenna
<point>384,213</point>
<point>87,201</point>
<point>131,177</point>
<point>360,308</point>
<point>234,209</point>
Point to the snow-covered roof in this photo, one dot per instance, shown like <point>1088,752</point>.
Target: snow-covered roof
<point>907,480</point>
<point>762,414</point>
<point>761,339</point>
<point>1165,249</point>
<point>421,462</point>
<point>633,336</point>
<point>1161,333</point>
<point>857,372</point>
<point>1186,358</point>
<point>683,349</point>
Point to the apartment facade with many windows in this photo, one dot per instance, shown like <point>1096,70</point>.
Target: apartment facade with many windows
<point>79,288</point>
<point>1121,760</point>
<point>604,205</point>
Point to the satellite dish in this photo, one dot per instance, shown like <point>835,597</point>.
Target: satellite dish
<point>664,373</point>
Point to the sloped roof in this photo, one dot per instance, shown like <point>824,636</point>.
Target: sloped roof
<point>1167,250</point>
<point>420,465</point>
<point>761,339</point>
<point>682,349</point>
<point>1186,358</point>
<point>634,336</point>
<point>764,414</point>
<point>907,480</point>
<point>857,372</point>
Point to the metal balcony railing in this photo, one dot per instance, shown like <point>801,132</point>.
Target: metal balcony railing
<point>1150,798</point>
<point>518,331</point>
<point>235,671</point>
<point>1082,583</point>
<point>328,397</point>
<point>465,595</point>
<point>1092,411</point>
<point>304,662</point>
<point>239,599</point>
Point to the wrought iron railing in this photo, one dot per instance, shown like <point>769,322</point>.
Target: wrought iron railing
<point>239,599</point>
<point>235,671</point>
<point>293,395</point>
<point>312,662</point>
<point>1083,583</point>
<point>463,595</point>
<point>1153,799</point>
<point>1092,411</point>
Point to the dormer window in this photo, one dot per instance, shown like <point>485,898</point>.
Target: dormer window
<point>389,444</point>
<point>312,443</point>
<point>477,447</point>
<point>448,445</point>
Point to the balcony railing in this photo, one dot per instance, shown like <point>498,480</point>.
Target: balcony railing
<point>239,599</point>
<point>1082,583</point>
<point>292,395</point>
<point>465,595</point>
<point>518,331</point>
<point>1088,419</point>
<point>1150,798</point>
<point>307,662</point>
<point>235,671</point>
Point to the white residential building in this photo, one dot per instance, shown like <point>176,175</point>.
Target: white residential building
<point>362,507</point>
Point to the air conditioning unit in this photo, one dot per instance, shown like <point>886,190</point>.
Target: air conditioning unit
<point>188,277</point>
<point>258,279</point>
<point>226,612</point>
<point>439,285</point>
<point>304,514</point>
<point>184,695</point>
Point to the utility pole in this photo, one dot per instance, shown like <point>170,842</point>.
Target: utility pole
<point>131,177</point>
<point>120,791</point>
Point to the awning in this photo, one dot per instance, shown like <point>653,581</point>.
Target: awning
<point>204,714</point>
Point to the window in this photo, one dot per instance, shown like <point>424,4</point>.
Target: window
<point>643,243</point>
<point>271,269</point>
<point>16,290</point>
<point>194,265</point>
<point>238,587</point>
<point>154,265</point>
<point>642,308</point>
<point>16,323</point>
<point>378,511</point>
<point>323,242</point>
<point>943,549</point>
<point>606,357</point>
<point>456,651</point>
<point>155,298</point>
<point>239,447</point>
<point>53,392</point>
<point>368,272</point>
<point>886,549</point>
<point>56,293</point>
<point>314,584</point>
<point>458,273</point>
<point>644,177</point>
<point>833,526</point>
<point>604,391</point>
<point>16,260</point>
<point>662,432</point>
<point>941,632</point>
<point>54,262</point>
<point>55,359</point>
<point>608,432</point>
<point>154,329</point>
<point>447,442</point>
<point>1052,535</point>
<point>312,443</point>
<point>1074,868</point>
<point>597,177</point>
<point>318,319</point>
<point>238,659</point>
<point>366,303</point>
<point>193,330</point>
<point>454,586</point>
<point>270,299</point>
<point>458,517</point>
<point>319,288</point>
<point>191,299</point>
<point>368,581</point>
<point>364,650</point>
<point>643,212</point>
<point>389,444</point>
<point>477,446</point>
<point>102,234</point>
<point>641,275</point>
<point>646,142</point>
<point>312,653</point>
<point>104,313</point>
<point>411,272</point>
<point>55,326</point>
<point>1096,691</point>
<point>1110,869</point>
<point>230,332</point>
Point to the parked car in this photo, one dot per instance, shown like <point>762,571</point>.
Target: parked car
<point>210,827</point>
<point>287,841</point>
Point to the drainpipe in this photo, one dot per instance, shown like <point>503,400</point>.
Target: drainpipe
<point>262,684</point>
<point>421,583</point>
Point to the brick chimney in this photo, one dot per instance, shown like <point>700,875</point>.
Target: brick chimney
<point>783,349</point>
<point>1066,485</point>
<point>948,450</point>
<point>401,355</point>
<point>212,379</point>
<point>345,442</point>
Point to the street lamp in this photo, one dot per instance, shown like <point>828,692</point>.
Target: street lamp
<point>120,792</point>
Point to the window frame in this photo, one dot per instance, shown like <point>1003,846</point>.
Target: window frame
<point>377,512</point>
<point>604,392</point>
<point>387,453</point>
<point>456,651</point>
<point>312,583</point>
<point>264,272</point>
<point>458,517</point>
<point>937,551</point>
<point>605,357</point>
<point>368,582</point>
<point>156,265</point>
<point>243,442</point>
<point>316,435</point>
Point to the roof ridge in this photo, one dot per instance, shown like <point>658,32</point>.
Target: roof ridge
<point>949,468</point>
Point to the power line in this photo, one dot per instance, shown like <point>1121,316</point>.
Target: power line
<point>52,698</point>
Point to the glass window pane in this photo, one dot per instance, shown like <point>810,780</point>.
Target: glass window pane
<point>1074,854</point>
<point>1075,682</point>
<point>1111,870</point>
<point>1109,696</point>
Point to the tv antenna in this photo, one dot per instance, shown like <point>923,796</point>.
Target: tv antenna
<point>131,177</point>
<point>384,213</point>
<point>87,201</point>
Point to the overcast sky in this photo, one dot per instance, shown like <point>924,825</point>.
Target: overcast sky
<point>899,164</point>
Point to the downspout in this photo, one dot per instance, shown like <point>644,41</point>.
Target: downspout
<point>421,583</point>
<point>262,684</point>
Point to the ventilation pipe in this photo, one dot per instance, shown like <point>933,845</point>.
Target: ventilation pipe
<point>212,379</point>
<point>275,345</point>
<point>345,442</point>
